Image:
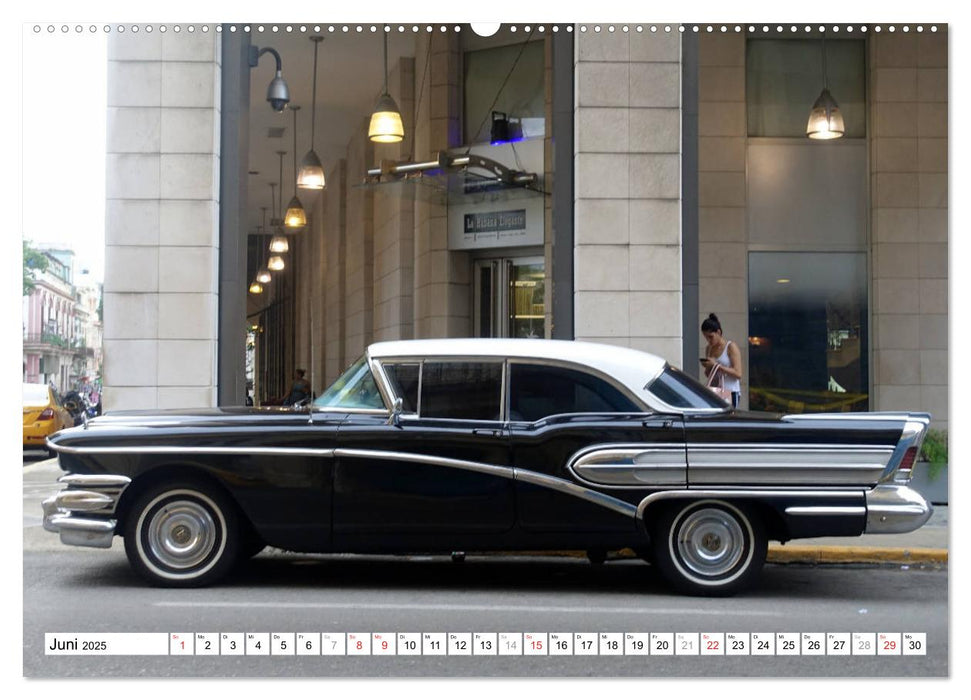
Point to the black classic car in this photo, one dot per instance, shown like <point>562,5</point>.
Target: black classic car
<point>486,445</point>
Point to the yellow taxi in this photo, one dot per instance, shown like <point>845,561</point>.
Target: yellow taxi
<point>43,415</point>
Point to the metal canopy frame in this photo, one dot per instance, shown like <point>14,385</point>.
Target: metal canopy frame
<point>493,175</point>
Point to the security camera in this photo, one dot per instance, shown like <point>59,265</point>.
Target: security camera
<point>278,94</point>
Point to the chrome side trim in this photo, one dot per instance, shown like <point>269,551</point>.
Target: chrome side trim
<point>514,473</point>
<point>94,481</point>
<point>188,450</point>
<point>480,467</point>
<point>882,416</point>
<point>826,510</point>
<point>741,493</point>
<point>571,489</point>
<point>894,508</point>
<point>635,465</point>
<point>757,464</point>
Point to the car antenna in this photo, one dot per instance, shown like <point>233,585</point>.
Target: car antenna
<point>310,405</point>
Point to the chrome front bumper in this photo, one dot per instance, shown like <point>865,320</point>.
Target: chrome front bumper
<point>69,511</point>
<point>894,508</point>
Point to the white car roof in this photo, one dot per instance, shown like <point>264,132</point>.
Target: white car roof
<point>632,368</point>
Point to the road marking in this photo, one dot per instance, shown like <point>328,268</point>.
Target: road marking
<point>467,607</point>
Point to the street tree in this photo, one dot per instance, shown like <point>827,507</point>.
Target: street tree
<point>34,262</point>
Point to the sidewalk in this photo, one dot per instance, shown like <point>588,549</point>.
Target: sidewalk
<point>928,545</point>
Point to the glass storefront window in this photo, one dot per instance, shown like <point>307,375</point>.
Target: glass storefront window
<point>808,341</point>
<point>527,289</point>
<point>783,78</point>
<point>489,86</point>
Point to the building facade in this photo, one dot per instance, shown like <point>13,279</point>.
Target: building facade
<point>668,174</point>
<point>61,326</point>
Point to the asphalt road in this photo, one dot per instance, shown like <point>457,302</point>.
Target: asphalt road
<point>69,589</point>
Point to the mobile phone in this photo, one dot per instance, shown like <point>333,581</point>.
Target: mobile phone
<point>702,359</point>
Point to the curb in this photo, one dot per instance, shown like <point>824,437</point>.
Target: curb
<point>832,554</point>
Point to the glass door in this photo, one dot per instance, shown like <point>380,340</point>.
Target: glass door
<point>510,298</point>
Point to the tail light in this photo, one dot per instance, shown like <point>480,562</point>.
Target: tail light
<point>907,464</point>
<point>46,414</point>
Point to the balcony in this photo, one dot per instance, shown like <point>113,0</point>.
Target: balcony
<point>49,341</point>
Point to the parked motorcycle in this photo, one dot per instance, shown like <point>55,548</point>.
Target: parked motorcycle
<point>80,407</point>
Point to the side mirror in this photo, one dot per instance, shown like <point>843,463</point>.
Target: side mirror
<point>395,417</point>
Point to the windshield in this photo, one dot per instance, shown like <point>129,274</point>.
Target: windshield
<point>353,389</point>
<point>677,389</point>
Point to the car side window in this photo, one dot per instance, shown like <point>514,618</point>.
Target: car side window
<point>461,390</point>
<point>404,383</point>
<point>537,391</point>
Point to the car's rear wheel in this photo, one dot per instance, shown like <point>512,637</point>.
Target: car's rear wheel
<point>182,535</point>
<point>709,547</point>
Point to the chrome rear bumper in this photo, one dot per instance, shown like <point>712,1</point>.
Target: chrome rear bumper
<point>894,508</point>
<point>80,513</point>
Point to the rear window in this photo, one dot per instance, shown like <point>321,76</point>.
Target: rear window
<point>677,389</point>
<point>537,391</point>
<point>36,395</point>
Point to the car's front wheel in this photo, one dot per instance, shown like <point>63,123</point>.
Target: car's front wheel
<point>709,547</point>
<point>182,535</point>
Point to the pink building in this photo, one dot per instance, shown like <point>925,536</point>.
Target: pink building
<point>62,335</point>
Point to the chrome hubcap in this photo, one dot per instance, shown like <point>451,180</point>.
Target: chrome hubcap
<point>181,534</point>
<point>710,542</point>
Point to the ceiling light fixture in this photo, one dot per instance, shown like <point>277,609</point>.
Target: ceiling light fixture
<point>311,176</point>
<point>386,126</point>
<point>296,217</point>
<point>263,275</point>
<point>275,263</point>
<point>825,118</point>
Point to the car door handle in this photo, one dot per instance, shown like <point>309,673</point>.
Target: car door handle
<point>486,431</point>
<point>654,424</point>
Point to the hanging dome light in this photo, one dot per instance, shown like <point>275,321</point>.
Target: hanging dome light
<point>264,276</point>
<point>275,263</point>
<point>279,244</point>
<point>386,126</point>
<point>296,217</point>
<point>311,175</point>
<point>825,119</point>
<point>256,288</point>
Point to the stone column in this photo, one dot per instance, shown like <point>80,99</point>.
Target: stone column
<point>722,235</point>
<point>908,166</point>
<point>441,276</point>
<point>394,222</point>
<point>161,282</point>
<point>627,194</point>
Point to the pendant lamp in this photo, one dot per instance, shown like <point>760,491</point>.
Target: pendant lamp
<point>296,217</point>
<point>263,275</point>
<point>825,118</point>
<point>386,126</point>
<point>311,175</point>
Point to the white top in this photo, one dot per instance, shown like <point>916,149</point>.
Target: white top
<point>632,368</point>
<point>728,382</point>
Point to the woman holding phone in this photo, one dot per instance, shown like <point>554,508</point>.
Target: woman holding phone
<point>722,356</point>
